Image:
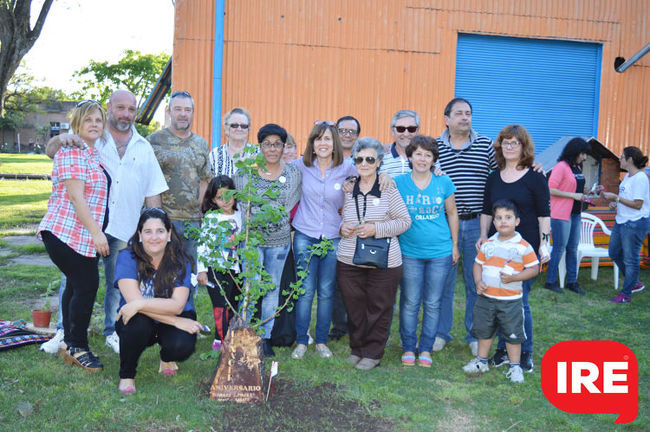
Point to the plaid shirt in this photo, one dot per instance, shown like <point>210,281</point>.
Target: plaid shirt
<point>61,219</point>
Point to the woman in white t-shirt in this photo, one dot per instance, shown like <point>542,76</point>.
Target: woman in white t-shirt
<point>632,210</point>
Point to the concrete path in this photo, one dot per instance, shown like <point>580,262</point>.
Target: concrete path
<point>32,259</point>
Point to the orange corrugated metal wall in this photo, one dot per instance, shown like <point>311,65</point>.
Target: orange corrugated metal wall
<point>296,61</point>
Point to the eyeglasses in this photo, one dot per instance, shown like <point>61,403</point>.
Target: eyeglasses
<point>327,122</point>
<point>180,93</point>
<point>401,129</point>
<point>238,125</point>
<point>275,145</point>
<point>510,144</point>
<point>369,160</point>
<point>152,210</point>
<point>84,102</point>
<point>343,131</point>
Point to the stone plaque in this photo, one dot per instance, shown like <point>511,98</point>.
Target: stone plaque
<point>240,369</point>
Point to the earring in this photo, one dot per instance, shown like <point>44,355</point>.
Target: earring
<point>169,240</point>
<point>140,240</point>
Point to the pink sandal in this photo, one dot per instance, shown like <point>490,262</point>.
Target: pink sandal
<point>408,359</point>
<point>425,360</point>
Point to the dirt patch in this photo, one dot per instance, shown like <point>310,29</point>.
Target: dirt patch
<point>296,407</point>
<point>21,240</point>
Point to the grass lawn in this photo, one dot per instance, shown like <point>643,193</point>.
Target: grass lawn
<point>410,399</point>
<point>23,202</point>
<point>19,163</point>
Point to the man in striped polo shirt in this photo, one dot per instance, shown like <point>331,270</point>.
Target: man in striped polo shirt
<point>467,158</point>
<point>404,125</point>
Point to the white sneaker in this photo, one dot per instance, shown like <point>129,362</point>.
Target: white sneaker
<point>473,346</point>
<point>52,346</point>
<point>438,344</point>
<point>515,374</point>
<point>113,342</point>
<point>475,366</point>
<point>299,352</point>
<point>311,339</point>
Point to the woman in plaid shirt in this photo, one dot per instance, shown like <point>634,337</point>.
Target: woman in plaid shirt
<point>72,229</point>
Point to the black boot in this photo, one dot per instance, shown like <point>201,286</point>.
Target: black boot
<point>555,287</point>
<point>268,351</point>
<point>573,286</point>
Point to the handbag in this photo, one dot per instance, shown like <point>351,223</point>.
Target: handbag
<point>370,251</point>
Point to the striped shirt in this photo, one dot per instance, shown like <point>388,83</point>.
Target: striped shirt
<point>61,218</point>
<point>393,164</point>
<point>468,168</point>
<point>509,256</point>
<point>387,210</point>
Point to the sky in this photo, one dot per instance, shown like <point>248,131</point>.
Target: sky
<point>76,31</point>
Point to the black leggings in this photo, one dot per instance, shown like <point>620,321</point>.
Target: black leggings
<point>222,313</point>
<point>82,281</point>
<point>142,332</point>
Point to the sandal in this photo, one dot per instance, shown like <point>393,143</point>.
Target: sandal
<point>85,359</point>
<point>408,359</point>
<point>168,368</point>
<point>425,360</point>
<point>127,389</point>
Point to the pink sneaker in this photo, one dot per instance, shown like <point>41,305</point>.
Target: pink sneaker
<point>621,298</point>
<point>638,287</point>
<point>216,345</point>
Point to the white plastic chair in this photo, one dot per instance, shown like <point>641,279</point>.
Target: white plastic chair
<point>586,248</point>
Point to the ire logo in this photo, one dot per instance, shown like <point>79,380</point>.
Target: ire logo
<point>592,377</point>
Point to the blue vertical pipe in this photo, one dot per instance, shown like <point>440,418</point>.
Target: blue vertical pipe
<point>217,72</point>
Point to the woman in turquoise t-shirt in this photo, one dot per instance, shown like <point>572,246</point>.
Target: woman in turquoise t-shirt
<point>429,248</point>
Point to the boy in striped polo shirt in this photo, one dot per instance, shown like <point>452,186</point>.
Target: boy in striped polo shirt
<point>503,262</point>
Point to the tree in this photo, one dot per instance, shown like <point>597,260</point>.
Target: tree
<point>135,72</point>
<point>239,376</point>
<point>17,37</point>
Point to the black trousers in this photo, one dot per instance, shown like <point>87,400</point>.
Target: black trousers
<point>82,281</point>
<point>222,313</point>
<point>142,332</point>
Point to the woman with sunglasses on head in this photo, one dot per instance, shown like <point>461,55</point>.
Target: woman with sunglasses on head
<point>72,229</point>
<point>369,291</point>
<point>286,179</point>
<point>517,181</point>
<point>236,126</point>
<point>324,171</point>
<point>153,275</point>
<point>632,205</point>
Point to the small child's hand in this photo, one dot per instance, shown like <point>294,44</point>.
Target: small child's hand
<point>481,287</point>
<point>202,278</point>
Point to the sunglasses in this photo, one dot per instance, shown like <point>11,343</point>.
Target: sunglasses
<point>84,102</point>
<point>369,160</point>
<point>327,122</point>
<point>153,210</point>
<point>343,131</point>
<point>401,129</point>
<point>275,145</point>
<point>238,125</point>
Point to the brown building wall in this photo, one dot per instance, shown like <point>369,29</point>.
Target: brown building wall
<point>296,61</point>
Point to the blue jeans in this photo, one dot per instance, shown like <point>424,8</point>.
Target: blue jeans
<point>272,259</point>
<point>112,295</point>
<point>624,248</point>
<point>468,233</point>
<point>566,236</point>
<point>527,346</point>
<point>321,278</point>
<point>423,282</point>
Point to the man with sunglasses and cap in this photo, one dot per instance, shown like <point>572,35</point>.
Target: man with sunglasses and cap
<point>136,180</point>
<point>404,126</point>
<point>184,159</point>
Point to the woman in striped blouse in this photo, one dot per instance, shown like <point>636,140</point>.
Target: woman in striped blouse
<point>369,292</point>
